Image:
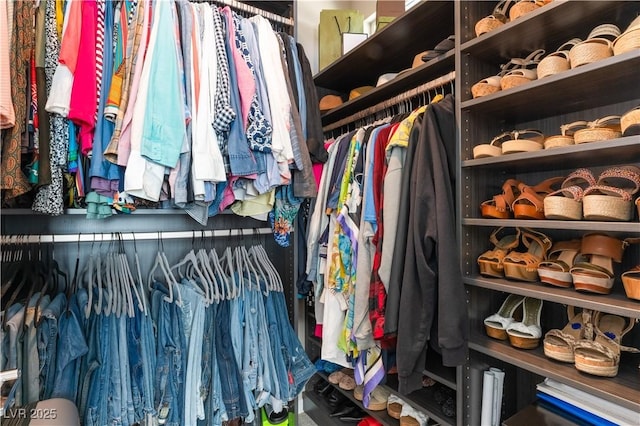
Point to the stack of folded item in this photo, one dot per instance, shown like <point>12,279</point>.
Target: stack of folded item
<point>574,403</point>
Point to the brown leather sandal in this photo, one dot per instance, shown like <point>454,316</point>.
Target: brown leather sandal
<point>499,207</point>
<point>530,202</point>
<point>524,266</point>
<point>490,262</point>
<point>593,270</point>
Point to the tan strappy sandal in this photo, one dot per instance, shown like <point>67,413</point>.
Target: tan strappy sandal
<point>631,282</point>
<point>524,266</point>
<point>497,18</point>
<point>597,46</point>
<point>565,138</point>
<point>490,262</point>
<point>601,356</point>
<point>527,140</point>
<point>559,344</point>
<point>525,72</point>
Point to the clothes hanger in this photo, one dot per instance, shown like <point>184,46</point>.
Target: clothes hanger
<point>142,293</point>
<point>122,265</point>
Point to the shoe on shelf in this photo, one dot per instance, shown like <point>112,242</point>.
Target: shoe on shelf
<point>526,334</point>
<point>597,46</point>
<point>499,207</point>
<point>409,416</point>
<point>566,202</point>
<point>524,72</point>
<point>602,129</point>
<point>556,269</point>
<point>525,140</point>
<point>631,282</point>
<point>522,7</point>
<point>601,356</point>
<point>593,269</point>
<point>394,406</point>
<point>558,344</point>
<point>490,262</point>
<point>497,18</point>
<point>496,324</point>
<point>337,376</point>
<point>524,266</point>
<point>557,61</point>
<point>611,199</point>
<point>530,203</point>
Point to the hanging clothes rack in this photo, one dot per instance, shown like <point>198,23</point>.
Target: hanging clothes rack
<point>387,103</point>
<point>130,236</point>
<point>243,7</point>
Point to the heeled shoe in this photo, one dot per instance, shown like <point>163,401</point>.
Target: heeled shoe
<point>530,202</point>
<point>490,262</point>
<point>559,344</point>
<point>601,356</point>
<point>556,269</point>
<point>631,282</point>
<point>524,266</point>
<point>499,207</point>
<point>593,270</point>
<point>526,334</point>
<point>496,324</point>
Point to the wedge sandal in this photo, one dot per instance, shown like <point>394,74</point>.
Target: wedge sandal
<point>497,18</point>
<point>496,325</point>
<point>611,199</point>
<point>601,356</point>
<point>556,269</point>
<point>493,84</point>
<point>524,266</point>
<point>499,207</point>
<point>522,7</point>
<point>630,122</point>
<point>597,46</point>
<point>631,282</point>
<point>559,344</point>
<point>593,271</point>
<point>558,61</point>
<point>602,129</point>
<point>565,138</point>
<point>527,333</point>
<point>566,203</point>
<point>524,72</point>
<point>490,262</point>
<point>629,39</point>
<point>530,203</point>
<point>527,140</point>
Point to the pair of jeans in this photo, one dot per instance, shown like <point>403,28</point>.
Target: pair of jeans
<point>300,367</point>
<point>96,375</point>
<point>230,377</point>
<point>30,357</point>
<point>126,408</point>
<point>170,361</point>
<point>47,343</point>
<point>215,411</point>
<point>279,352</point>
<point>142,358</point>
<point>72,345</point>
<point>265,371</point>
<point>193,317</point>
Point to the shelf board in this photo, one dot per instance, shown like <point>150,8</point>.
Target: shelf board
<point>318,409</point>
<point>391,47</point>
<point>83,212</point>
<point>624,389</point>
<point>576,225</point>
<point>586,155</point>
<point>548,27</point>
<point>438,372</point>
<point>421,400</point>
<point>614,303</point>
<point>382,416</point>
<point>406,81</point>
<point>604,82</point>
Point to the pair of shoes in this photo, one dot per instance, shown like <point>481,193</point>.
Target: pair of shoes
<point>445,397</point>
<point>608,198</point>
<point>591,340</point>
<point>349,412</point>
<point>520,200</point>
<point>516,72</point>
<point>398,408</point>
<point>343,378</point>
<point>323,388</point>
<point>505,260</point>
<point>525,140</point>
<point>524,334</point>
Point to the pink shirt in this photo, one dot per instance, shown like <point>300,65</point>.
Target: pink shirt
<point>83,104</point>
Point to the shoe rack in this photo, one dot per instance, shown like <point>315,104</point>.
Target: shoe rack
<point>606,87</point>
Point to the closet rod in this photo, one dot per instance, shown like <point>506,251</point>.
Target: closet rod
<point>411,93</point>
<point>238,5</point>
<point>130,236</point>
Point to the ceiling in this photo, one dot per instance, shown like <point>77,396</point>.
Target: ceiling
<point>282,8</point>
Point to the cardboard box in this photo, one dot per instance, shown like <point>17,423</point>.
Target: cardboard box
<point>389,8</point>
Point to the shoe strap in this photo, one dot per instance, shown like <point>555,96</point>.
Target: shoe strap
<point>610,121</point>
<point>603,245</point>
<point>579,176</point>
<point>494,239</point>
<point>570,128</point>
<point>529,235</point>
<point>604,31</point>
<point>568,45</point>
<point>626,173</point>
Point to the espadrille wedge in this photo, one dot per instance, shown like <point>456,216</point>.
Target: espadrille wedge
<point>611,199</point>
<point>558,344</point>
<point>524,266</point>
<point>601,356</point>
<point>593,270</point>
<point>556,269</point>
<point>566,203</point>
<point>490,262</point>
